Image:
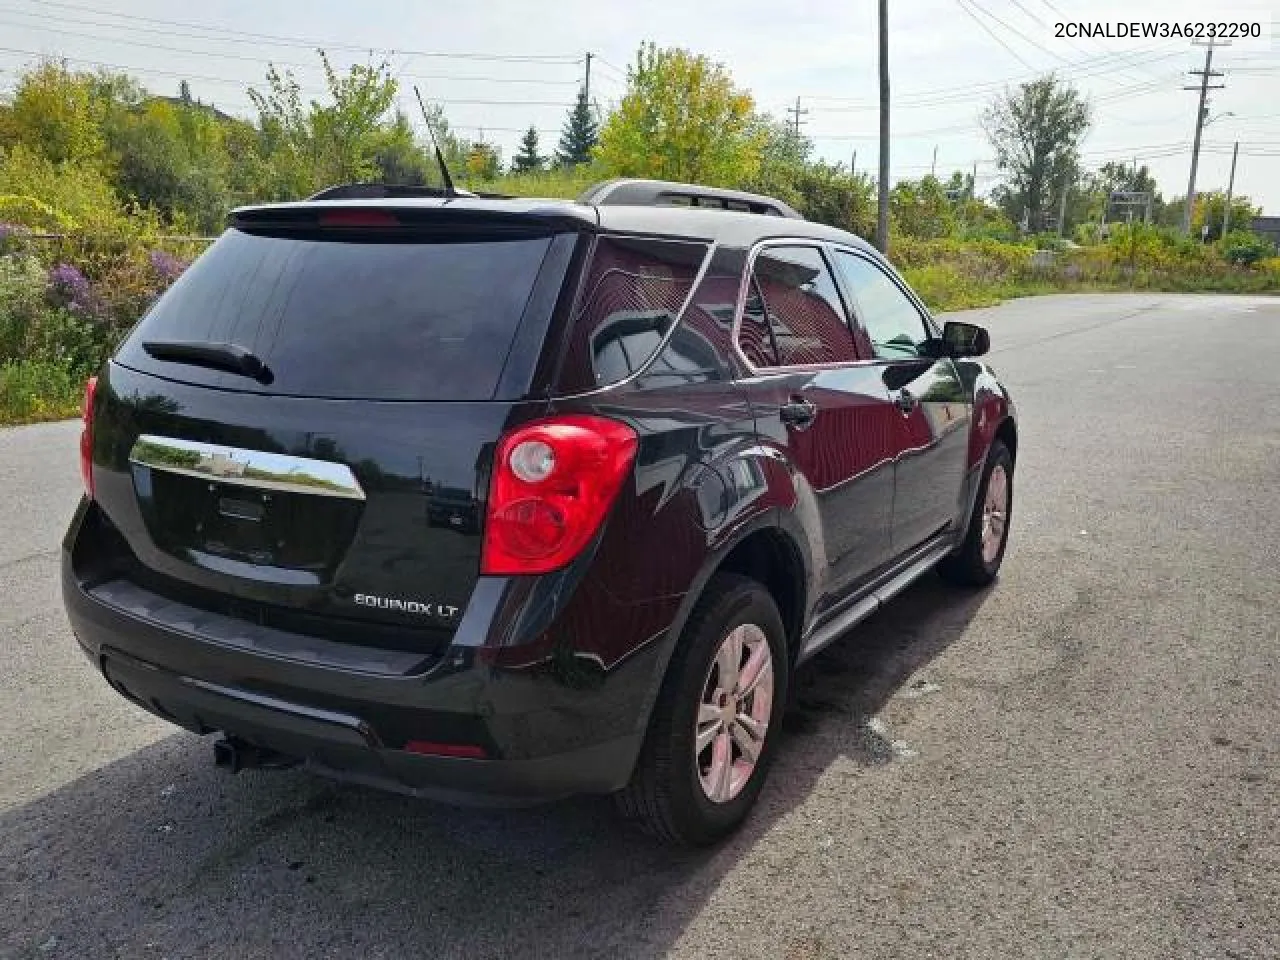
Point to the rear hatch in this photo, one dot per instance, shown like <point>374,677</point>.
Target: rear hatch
<point>299,431</point>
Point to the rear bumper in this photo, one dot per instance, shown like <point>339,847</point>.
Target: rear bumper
<point>545,732</point>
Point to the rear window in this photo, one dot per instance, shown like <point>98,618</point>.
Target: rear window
<point>402,320</point>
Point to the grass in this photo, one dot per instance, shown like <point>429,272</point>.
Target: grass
<point>33,391</point>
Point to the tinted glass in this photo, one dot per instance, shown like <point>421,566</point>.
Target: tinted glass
<point>383,321</point>
<point>805,314</point>
<point>754,336</point>
<point>892,321</point>
<point>633,293</point>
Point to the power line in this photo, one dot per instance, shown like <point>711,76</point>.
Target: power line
<point>243,83</point>
<point>1078,70</point>
<point>1121,93</point>
<point>974,17</point>
<point>1014,30</point>
<point>62,31</point>
<point>295,42</point>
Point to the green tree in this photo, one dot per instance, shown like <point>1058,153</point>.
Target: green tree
<point>285,148</point>
<point>1036,130</point>
<point>831,194</point>
<point>346,131</point>
<point>783,158</point>
<point>579,135</point>
<point>682,118</point>
<point>527,160</point>
<point>1209,208</point>
<point>484,161</point>
<point>171,157</point>
<point>921,208</point>
<point>398,157</point>
<point>321,144</point>
<point>55,113</point>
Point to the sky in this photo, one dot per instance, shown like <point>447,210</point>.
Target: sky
<point>497,66</point>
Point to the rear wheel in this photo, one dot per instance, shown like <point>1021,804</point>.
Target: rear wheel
<point>977,560</point>
<point>715,724</point>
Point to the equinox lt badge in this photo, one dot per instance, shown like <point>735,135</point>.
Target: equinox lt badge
<point>441,610</point>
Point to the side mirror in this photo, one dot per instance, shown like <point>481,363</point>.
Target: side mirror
<point>965,339</point>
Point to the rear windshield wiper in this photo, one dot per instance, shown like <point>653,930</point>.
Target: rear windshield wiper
<point>220,356</point>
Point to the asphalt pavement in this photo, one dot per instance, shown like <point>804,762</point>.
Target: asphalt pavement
<point>1078,762</point>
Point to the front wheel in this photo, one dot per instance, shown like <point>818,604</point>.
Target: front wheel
<point>977,560</point>
<point>716,721</point>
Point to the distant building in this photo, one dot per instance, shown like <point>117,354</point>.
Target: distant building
<point>1269,227</point>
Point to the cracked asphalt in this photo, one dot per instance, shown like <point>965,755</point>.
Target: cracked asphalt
<point>1078,762</point>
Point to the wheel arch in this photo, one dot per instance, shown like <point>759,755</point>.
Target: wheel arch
<point>1007,433</point>
<point>765,550</point>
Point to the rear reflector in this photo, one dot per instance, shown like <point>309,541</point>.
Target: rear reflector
<point>463,751</point>
<point>358,218</point>
<point>86,435</point>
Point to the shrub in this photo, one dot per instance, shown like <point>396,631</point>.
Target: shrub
<point>22,298</point>
<point>1245,248</point>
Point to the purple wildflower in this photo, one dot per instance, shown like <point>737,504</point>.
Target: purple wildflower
<point>166,265</point>
<point>7,230</point>
<point>70,288</point>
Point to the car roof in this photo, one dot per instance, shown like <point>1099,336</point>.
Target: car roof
<point>726,227</point>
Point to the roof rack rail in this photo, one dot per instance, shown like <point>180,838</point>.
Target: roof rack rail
<point>391,191</point>
<point>666,193</point>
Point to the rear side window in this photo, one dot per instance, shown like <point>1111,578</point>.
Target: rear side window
<point>793,314</point>
<point>402,320</point>
<point>631,296</point>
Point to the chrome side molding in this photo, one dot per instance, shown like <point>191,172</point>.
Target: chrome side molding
<point>246,468</point>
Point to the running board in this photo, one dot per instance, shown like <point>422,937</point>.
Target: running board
<point>831,631</point>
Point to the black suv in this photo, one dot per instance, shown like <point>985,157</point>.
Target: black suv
<point>469,496</point>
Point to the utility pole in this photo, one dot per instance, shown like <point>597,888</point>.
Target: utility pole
<point>1201,112</point>
<point>882,202</point>
<point>973,181</point>
<point>1062,206</point>
<point>586,86</point>
<point>1231,185</point>
<point>853,164</point>
<point>933,167</point>
<point>796,114</point>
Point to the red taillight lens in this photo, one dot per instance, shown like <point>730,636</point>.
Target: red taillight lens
<point>553,482</point>
<point>86,435</point>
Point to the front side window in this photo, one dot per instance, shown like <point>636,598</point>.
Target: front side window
<point>793,314</point>
<point>894,324</point>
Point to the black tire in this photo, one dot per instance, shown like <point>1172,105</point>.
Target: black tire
<point>966,565</point>
<point>665,796</point>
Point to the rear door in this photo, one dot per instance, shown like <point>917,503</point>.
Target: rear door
<point>929,417</point>
<point>341,489</point>
<point>813,397</point>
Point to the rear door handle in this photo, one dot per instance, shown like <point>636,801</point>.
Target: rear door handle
<point>904,401</point>
<point>798,413</point>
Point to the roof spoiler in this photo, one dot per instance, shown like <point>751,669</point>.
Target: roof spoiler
<point>666,193</point>
<point>392,191</point>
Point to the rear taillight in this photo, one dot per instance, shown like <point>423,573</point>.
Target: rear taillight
<point>553,482</point>
<point>86,435</point>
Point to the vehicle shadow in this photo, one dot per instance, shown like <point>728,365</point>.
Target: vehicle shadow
<point>160,855</point>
